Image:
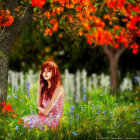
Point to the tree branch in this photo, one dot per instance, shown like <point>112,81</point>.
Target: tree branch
<point>28,12</point>
<point>11,5</point>
<point>106,49</point>
<point>19,22</point>
<point>120,51</point>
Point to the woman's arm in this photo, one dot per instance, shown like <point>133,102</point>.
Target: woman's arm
<point>57,93</point>
<point>54,99</point>
<point>41,110</point>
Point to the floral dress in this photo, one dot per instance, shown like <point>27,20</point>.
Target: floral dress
<point>51,120</point>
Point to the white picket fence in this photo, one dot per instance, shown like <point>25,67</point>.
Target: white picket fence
<point>72,83</point>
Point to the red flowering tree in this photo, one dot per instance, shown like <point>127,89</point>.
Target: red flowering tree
<point>112,24</point>
<point>14,15</point>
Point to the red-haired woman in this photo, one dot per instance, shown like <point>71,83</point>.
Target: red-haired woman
<point>50,100</point>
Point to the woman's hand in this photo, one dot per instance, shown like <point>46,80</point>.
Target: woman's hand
<point>39,107</point>
<point>39,112</point>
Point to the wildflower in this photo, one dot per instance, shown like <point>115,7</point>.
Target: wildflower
<point>21,100</point>
<point>18,122</point>
<point>135,78</point>
<point>15,96</point>
<point>27,85</point>
<point>14,115</point>
<point>119,125</point>
<point>72,108</point>
<point>77,117</point>
<point>93,105</point>
<point>9,96</point>
<point>84,98</point>
<point>137,110</point>
<point>74,133</point>
<point>88,102</point>
<point>104,112</point>
<point>16,127</point>
<point>32,111</point>
<point>15,88</point>
<point>70,121</point>
<point>126,120</point>
<point>27,88</point>
<point>84,90</point>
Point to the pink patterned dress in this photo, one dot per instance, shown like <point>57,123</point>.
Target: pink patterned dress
<point>51,120</point>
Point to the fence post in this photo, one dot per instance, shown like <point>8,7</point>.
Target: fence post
<point>77,87</point>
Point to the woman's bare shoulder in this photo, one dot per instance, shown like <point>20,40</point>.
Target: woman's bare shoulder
<point>61,88</point>
<point>63,95</point>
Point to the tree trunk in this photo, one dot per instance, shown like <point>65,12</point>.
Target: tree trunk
<point>114,77</point>
<point>113,55</point>
<point>7,37</point>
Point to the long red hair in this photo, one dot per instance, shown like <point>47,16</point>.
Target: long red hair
<point>55,79</point>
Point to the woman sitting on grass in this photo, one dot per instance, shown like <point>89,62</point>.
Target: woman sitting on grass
<point>50,100</point>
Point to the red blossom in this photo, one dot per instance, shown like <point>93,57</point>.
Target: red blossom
<point>78,8</point>
<point>38,3</point>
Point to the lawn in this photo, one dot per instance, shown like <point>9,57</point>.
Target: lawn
<point>98,115</point>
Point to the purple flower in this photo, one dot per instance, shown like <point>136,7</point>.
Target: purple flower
<point>16,127</point>
<point>104,112</point>
<point>27,85</point>
<point>137,110</point>
<point>9,96</point>
<point>72,108</point>
<point>15,96</point>
<point>27,88</point>
<point>77,117</point>
<point>84,98</point>
<point>32,111</point>
<point>15,88</point>
<point>74,133</point>
<point>119,125</point>
<point>135,78</point>
<point>84,90</point>
<point>28,95</point>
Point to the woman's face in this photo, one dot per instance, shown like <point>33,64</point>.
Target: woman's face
<point>47,74</point>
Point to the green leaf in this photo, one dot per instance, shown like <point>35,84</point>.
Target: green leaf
<point>51,1</point>
<point>131,1</point>
<point>106,9</point>
<point>41,21</point>
<point>118,31</point>
<point>35,9</point>
<point>49,25</point>
<point>97,4</point>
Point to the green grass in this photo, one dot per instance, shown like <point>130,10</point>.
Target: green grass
<point>101,115</point>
